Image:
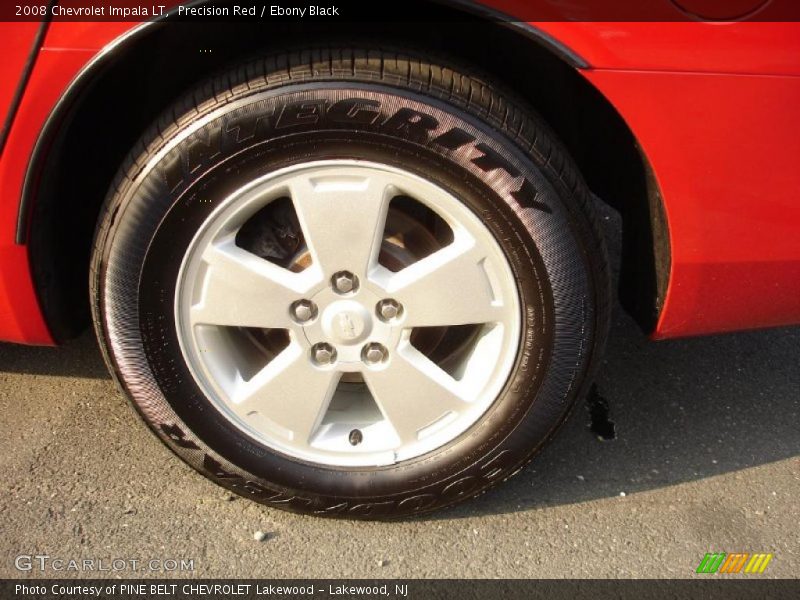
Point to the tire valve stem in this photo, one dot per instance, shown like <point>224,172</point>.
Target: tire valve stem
<point>355,437</point>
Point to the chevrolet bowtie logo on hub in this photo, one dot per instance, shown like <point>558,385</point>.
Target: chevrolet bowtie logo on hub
<point>722,562</point>
<point>346,326</point>
<point>346,322</point>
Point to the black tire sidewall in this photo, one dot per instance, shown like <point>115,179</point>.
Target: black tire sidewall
<point>191,173</point>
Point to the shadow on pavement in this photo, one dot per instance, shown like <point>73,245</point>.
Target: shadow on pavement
<point>77,358</point>
<point>683,410</point>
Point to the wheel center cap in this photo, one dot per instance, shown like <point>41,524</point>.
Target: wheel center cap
<point>346,322</point>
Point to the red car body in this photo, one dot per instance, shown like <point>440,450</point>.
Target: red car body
<point>713,108</point>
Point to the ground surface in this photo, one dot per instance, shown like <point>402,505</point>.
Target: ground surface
<point>707,455</point>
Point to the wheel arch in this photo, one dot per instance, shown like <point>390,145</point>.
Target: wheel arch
<point>60,205</point>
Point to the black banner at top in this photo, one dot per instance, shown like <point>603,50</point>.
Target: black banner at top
<point>401,10</point>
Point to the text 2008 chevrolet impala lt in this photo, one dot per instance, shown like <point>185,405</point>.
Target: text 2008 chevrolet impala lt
<point>355,270</point>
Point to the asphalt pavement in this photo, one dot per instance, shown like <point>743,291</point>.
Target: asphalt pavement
<point>706,458</point>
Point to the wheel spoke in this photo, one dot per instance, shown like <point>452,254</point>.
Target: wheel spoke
<point>343,218</point>
<point>332,329</point>
<point>290,392</point>
<point>413,393</point>
<point>244,290</point>
<point>449,287</point>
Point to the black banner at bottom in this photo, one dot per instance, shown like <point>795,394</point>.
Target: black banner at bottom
<point>396,589</point>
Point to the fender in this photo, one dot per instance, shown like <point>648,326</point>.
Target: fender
<point>13,105</point>
<point>84,77</point>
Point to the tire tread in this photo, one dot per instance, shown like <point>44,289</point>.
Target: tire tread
<point>437,77</point>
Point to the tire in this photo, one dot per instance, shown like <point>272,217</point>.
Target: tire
<point>344,117</point>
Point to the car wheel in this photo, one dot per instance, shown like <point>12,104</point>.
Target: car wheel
<point>349,282</point>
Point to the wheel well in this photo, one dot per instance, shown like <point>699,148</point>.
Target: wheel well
<point>103,120</point>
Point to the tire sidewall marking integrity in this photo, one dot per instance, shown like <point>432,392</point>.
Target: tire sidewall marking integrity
<point>545,227</point>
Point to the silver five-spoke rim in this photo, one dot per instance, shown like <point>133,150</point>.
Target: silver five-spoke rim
<point>349,383</point>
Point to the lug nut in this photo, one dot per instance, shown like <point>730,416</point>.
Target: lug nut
<point>389,309</point>
<point>323,354</point>
<point>344,282</point>
<point>304,311</point>
<point>373,354</point>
